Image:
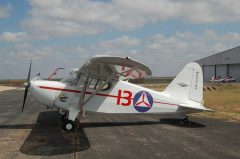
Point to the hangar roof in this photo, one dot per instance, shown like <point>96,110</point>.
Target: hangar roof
<point>231,56</point>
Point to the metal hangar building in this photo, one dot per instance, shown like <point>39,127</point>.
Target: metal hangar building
<point>224,64</point>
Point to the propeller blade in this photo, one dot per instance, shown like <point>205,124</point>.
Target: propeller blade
<point>28,83</point>
<point>29,72</point>
<point>25,97</point>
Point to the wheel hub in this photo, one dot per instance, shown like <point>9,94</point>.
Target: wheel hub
<point>69,126</point>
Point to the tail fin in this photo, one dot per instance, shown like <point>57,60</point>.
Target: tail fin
<point>187,87</point>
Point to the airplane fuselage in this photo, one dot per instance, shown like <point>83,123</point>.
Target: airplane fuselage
<point>122,97</point>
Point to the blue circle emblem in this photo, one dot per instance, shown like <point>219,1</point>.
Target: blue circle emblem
<point>143,101</point>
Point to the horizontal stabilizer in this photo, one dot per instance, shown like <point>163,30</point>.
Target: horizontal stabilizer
<point>197,109</point>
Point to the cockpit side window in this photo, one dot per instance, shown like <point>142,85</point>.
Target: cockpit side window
<point>93,83</point>
<point>97,83</point>
<point>78,80</point>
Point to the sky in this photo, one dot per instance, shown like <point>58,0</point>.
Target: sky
<point>163,34</point>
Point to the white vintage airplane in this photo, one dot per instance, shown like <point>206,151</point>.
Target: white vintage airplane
<point>219,79</point>
<point>100,86</point>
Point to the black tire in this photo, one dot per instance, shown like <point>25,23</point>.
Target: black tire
<point>185,121</point>
<point>69,125</point>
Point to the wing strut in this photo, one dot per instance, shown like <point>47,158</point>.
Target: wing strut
<point>82,96</point>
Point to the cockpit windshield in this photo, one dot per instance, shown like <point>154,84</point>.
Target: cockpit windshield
<point>70,79</point>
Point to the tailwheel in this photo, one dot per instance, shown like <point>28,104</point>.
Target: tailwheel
<point>69,125</point>
<point>185,120</point>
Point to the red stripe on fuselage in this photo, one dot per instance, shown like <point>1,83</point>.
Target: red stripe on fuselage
<point>165,103</point>
<point>99,94</point>
<point>75,91</point>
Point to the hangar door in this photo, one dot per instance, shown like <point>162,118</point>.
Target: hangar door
<point>234,71</point>
<point>221,70</point>
<point>208,73</point>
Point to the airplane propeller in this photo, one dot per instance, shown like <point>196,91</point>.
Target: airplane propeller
<point>27,85</point>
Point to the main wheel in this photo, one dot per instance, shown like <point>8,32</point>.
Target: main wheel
<point>69,125</point>
<point>185,120</point>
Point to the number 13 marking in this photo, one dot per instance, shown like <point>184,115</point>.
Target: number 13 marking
<point>124,98</point>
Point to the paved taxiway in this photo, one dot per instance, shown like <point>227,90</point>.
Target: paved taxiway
<point>36,133</point>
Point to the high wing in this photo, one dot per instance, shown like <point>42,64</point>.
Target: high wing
<point>102,67</point>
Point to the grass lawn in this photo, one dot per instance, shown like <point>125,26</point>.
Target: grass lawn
<point>225,100</point>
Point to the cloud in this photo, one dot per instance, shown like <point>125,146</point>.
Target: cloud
<point>5,11</point>
<point>21,52</point>
<point>122,42</point>
<point>13,37</point>
<point>65,18</point>
<point>165,55</point>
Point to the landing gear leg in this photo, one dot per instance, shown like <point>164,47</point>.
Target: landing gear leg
<point>185,120</point>
<point>64,117</point>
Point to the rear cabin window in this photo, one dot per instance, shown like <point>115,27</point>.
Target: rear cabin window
<point>97,83</point>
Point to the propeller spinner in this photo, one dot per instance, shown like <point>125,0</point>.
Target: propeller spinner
<point>27,85</point>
